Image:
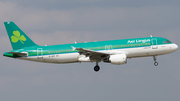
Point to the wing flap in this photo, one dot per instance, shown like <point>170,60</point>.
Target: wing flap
<point>94,52</point>
<point>88,52</point>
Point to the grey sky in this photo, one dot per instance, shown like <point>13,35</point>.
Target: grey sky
<point>66,21</point>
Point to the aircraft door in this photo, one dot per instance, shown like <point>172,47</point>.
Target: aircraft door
<point>39,53</point>
<point>154,43</point>
<point>108,48</point>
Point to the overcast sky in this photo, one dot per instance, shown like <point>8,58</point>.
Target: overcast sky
<point>65,21</point>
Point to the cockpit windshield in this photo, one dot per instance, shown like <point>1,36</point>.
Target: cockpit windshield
<point>166,42</point>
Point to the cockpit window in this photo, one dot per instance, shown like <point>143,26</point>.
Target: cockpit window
<point>166,42</point>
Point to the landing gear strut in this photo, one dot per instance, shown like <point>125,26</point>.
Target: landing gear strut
<point>97,68</point>
<point>155,63</point>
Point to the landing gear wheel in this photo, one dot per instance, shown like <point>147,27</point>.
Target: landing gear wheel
<point>96,68</point>
<point>156,63</point>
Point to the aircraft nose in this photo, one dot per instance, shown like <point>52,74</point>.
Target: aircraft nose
<point>175,47</point>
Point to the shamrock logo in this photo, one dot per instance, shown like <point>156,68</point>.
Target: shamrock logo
<point>17,37</point>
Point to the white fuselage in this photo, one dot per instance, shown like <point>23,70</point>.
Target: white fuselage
<point>130,52</point>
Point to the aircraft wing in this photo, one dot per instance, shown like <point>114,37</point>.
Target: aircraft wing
<point>88,52</point>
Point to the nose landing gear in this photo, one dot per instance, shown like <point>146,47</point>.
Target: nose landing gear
<point>155,63</point>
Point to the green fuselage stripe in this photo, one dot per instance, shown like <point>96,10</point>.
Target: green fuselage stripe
<point>108,47</point>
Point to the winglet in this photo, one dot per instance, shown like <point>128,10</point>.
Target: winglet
<point>73,48</point>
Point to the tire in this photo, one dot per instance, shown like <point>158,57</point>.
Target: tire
<point>96,68</point>
<point>156,63</point>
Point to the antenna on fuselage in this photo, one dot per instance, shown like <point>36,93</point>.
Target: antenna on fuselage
<point>151,36</point>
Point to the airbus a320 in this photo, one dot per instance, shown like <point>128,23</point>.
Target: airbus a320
<point>115,52</point>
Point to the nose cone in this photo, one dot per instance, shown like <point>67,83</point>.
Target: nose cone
<point>175,47</point>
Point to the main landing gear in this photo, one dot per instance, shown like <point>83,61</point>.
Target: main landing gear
<point>97,68</point>
<point>155,63</point>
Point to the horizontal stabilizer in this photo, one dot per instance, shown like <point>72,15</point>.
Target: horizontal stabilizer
<point>19,54</point>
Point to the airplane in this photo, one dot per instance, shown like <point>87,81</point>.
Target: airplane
<point>115,52</point>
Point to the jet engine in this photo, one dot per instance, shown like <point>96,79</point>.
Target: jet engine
<point>117,59</point>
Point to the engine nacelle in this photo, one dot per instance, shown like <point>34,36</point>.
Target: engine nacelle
<point>117,59</point>
<point>84,59</point>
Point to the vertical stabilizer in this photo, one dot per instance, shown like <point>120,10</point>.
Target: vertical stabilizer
<point>17,37</point>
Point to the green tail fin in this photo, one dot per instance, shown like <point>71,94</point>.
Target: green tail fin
<point>17,37</point>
